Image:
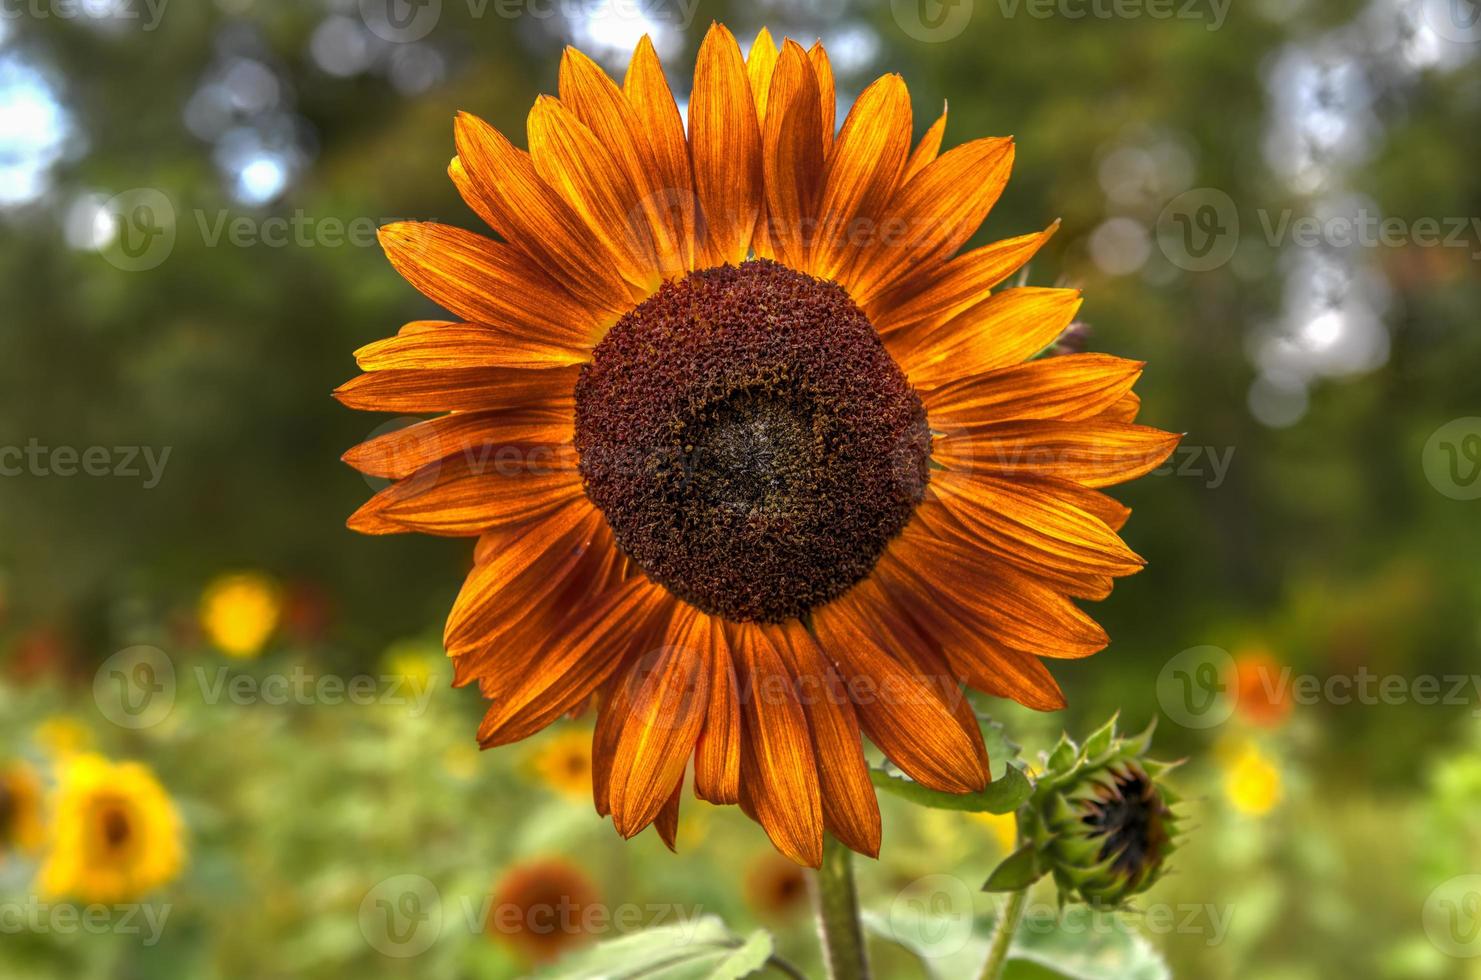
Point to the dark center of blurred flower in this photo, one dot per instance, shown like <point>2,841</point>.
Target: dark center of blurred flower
<point>751,442</point>
<point>115,826</point>
<point>1132,816</point>
<point>7,813</point>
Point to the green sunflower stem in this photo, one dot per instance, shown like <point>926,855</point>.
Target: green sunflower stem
<point>837,903</point>
<point>1002,936</point>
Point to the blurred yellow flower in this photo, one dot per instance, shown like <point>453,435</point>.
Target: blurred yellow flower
<point>1004,827</point>
<point>563,762</point>
<point>414,660</point>
<point>116,836</point>
<point>461,761</point>
<point>239,612</point>
<point>20,808</point>
<point>63,735</point>
<point>1252,782</point>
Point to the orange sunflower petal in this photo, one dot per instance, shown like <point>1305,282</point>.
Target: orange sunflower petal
<point>956,286</point>
<point>1093,453</point>
<point>933,215</point>
<point>425,391</point>
<point>778,768</point>
<point>725,140</point>
<point>579,166</point>
<point>576,661</point>
<point>1004,329</point>
<point>480,435</point>
<point>905,714</point>
<point>1069,387</point>
<point>850,807</point>
<point>489,282</point>
<point>717,754</point>
<point>828,92</point>
<point>928,148</point>
<point>437,344</point>
<point>664,717</point>
<point>862,174</point>
<point>527,211</point>
<point>792,157</point>
<point>657,116</point>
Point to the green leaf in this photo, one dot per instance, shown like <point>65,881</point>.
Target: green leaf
<point>1083,944</point>
<point>1018,870</point>
<point>702,949</point>
<point>1002,795</point>
<point>1001,750</point>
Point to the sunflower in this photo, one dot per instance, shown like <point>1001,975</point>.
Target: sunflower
<point>754,459</point>
<point>544,907</point>
<point>20,809</point>
<point>564,762</point>
<point>117,834</point>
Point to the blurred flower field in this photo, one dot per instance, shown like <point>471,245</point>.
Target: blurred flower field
<point>229,742</point>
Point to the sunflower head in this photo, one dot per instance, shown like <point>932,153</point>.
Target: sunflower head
<point>20,809</point>
<point>759,460</point>
<point>1101,820</point>
<point>541,908</point>
<point>116,834</point>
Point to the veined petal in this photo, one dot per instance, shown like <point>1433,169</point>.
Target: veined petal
<point>1032,527</point>
<point>954,287</point>
<point>479,435</point>
<point>725,140</point>
<point>425,391</point>
<point>862,175</point>
<point>1094,453</point>
<point>601,106</point>
<point>438,344</point>
<point>761,61</point>
<point>717,754</point>
<point>850,807</point>
<point>572,160</point>
<point>576,661</point>
<point>778,768</point>
<point>1069,387</point>
<point>459,497</point>
<point>933,215</point>
<point>665,712</point>
<point>928,148</point>
<point>792,156</point>
<point>529,213</point>
<point>489,282</point>
<point>828,93</point>
<point>1006,328</point>
<point>657,115</point>
<point>905,713</point>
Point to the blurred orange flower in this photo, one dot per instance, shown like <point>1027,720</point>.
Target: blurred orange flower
<point>540,908</point>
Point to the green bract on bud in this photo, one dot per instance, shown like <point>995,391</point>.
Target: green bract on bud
<point>1100,820</point>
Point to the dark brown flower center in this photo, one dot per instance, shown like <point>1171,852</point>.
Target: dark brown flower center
<point>8,813</point>
<point>751,442</point>
<point>1132,816</point>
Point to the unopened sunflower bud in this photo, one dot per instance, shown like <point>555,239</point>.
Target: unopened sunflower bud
<point>1074,340</point>
<point>1100,820</point>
